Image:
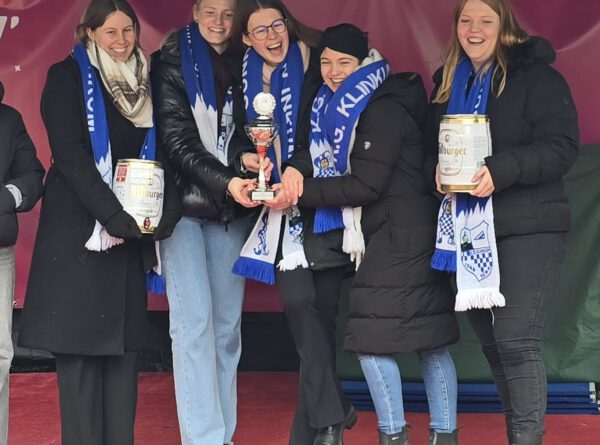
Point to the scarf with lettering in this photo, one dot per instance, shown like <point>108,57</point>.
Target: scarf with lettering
<point>198,76</point>
<point>466,239</point>
<point>100,240</point>
<point>257,259</point>
<point>334,118</point>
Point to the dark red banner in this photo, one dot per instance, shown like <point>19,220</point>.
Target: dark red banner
<point>412,34</point>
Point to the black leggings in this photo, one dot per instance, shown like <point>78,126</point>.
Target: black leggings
<point>310,300</point>
<point>511,337</point>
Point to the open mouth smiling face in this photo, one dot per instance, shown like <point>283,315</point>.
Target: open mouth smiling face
<point>478,30</point>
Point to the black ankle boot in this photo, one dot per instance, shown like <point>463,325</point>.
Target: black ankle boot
<point>527,438</point>
<point>400,438</point>
<point>436,438</point>
<point>334,434</point>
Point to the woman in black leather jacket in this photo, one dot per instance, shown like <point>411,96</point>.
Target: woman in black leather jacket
<point>192,90</point>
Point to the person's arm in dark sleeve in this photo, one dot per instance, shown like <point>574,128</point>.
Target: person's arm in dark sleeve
<point>553,119</point>
<point>64,117</point>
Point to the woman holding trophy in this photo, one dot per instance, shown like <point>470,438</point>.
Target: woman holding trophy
<point>193,95</point>
<point>282,60</point>
<point>376,187</point>
<point>86,295</point>
<point>513,220</point>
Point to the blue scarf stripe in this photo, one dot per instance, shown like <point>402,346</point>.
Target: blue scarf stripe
<point>286,87</point>
<point>197,66</point>
<point>475,102</point>
<point>99,136</point>
<point>333,119</point>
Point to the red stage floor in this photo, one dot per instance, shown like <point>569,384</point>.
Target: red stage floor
<point>266,403</point>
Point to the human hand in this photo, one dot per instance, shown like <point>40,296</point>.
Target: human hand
<point>292,183</point>
<point>485,186</point>
<point>280,201</point>
<point>167,224</point>
<point>122,225</point>
<point>240,189</point>
<point>251,162</point>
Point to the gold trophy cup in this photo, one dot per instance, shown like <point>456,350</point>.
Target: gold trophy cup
<point>261,131</point>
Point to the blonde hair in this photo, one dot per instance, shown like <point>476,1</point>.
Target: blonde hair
<point>510,34</point>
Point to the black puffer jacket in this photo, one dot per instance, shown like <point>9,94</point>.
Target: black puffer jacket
<point>535,140</point>
<point>201,178</point>
<point>18,166</point>
<point>397,302</point>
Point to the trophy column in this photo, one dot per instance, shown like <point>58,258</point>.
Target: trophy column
<point>261,131</point>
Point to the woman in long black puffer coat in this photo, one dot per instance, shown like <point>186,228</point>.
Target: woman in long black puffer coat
<point>397,302</point>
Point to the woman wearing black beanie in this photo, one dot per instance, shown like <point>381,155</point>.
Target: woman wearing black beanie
<point>365,163</point>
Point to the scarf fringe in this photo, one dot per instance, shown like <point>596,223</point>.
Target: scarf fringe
<point>328,219</point>
<point>444,261</point>
<point>484,298</point>
<point>100,240</point>
<point>155,283</point>
<point>254,269</point>
<point>354,242</point>
<point>293,261</point>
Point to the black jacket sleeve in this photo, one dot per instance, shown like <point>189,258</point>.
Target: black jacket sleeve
<point>64,117</point>
<point>376,149</point>
<point>179,135</point>
<point>551,113</point>
<point>25,172</point>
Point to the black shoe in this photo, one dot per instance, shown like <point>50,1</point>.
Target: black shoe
<point>334,434</point>
<point>399,438</point>
<point>436,438</point>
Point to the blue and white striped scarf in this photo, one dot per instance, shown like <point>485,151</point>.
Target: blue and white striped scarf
<point>95,109</point>
<point>257,259</point>
<point>197,69</point>
<point>466,223</point>
<point>334,118</point>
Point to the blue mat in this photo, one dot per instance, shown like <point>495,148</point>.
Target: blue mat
<point>563,398</point>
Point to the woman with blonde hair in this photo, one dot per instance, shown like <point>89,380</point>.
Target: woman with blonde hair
<point>494,67</point>
<point>193,92</point>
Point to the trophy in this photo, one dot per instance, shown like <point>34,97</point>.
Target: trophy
<point>262,131</point>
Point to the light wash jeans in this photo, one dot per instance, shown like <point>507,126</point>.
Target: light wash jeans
<point>7,287</point>
<point>385,385</point>
<point>205,302</point>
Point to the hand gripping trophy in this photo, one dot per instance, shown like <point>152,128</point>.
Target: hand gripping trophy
<point>262,131</point>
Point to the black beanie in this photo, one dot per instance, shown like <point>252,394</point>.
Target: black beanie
<point>346,38</point>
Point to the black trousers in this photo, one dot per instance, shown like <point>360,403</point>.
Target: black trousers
<point>310,300</point>
<point>511,337</point>
<point>98,397</point>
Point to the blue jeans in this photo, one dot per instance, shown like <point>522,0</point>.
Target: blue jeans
<point>7,286</point>
<point>205,302</point>
<point>385,385</point>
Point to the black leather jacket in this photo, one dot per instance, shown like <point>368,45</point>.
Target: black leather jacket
<point>201,178</point>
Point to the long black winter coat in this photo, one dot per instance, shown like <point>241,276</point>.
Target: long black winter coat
<point>18,166</point>
<point>201,178</point>
<point>535,140</point>
<point>397,302</point>
<point>78,301</point>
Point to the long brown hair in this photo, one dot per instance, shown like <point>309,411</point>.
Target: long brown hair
<point>510,34</point>
<point>296,30</point>
<point>96,14</point>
